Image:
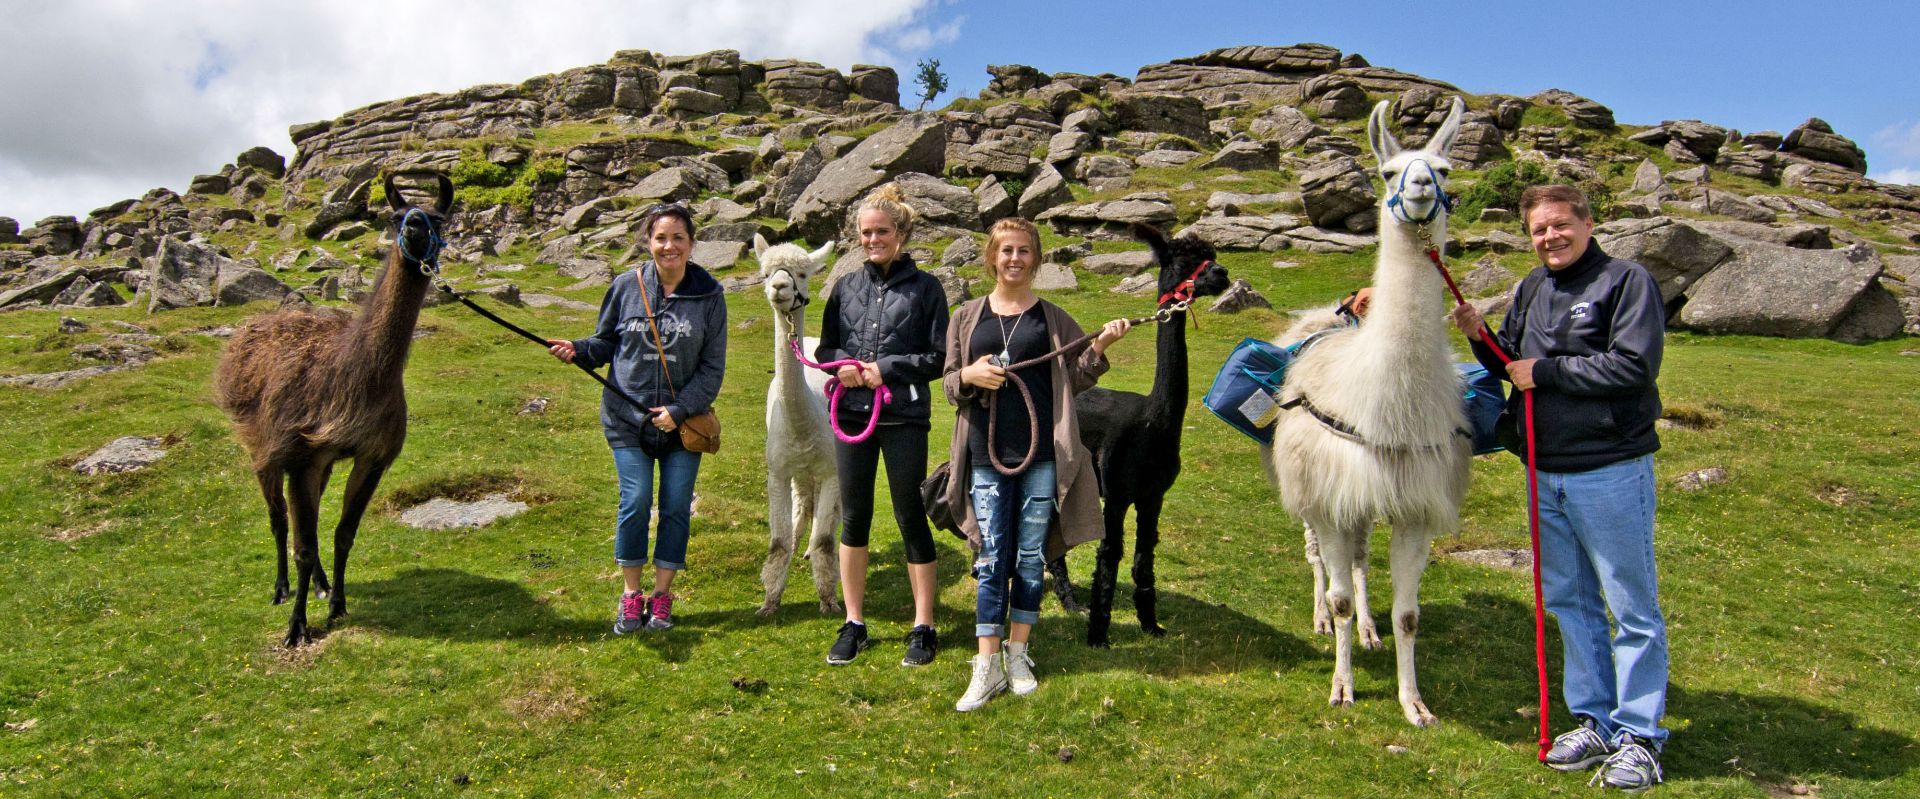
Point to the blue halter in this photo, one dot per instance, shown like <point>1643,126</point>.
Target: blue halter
<point>429,261</point>
<point>1442,202</point>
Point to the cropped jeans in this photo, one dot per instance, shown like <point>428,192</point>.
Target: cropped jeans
<point>1014,513</point>
<point>677,472</point>
<point>1596,558</point>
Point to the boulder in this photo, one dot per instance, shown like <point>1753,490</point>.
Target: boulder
<point>1646,177</point>
<point>1770,290</point>
<point>1136,284</point>
<point>585,214</point>
<point>1692,141</point>
<point>672,184</point>
<point>1109,219</point>
<point>1165,158</point>
<point>1581,111</point>
<point>9,230</point>
<point>1287,127</point>
<point>1323,240</point>
<point>1006,156</point>
<point>124,454</point>
<point>1726,203</point>
<point>952,284</point>
<point>1012,79</point>
<point>1245,156</point>
<point>1819,177</point>
<point>441,513</point>
<point>1238,297</point>
<point>1094,168</point>
<point>1336,191</point>
<point>1068,145</point>
<point>806,83</point>
<point>1264,233</point>
<point>875,83</point>
<point>684,102</point>
<point>1799,236</point>
<point>1046,190</point>
<point>1486,277</point>
<point>54,235</point>
<point>962,252</point>
<point>717,254</point>
<point>1874,316</point>
<point>209,184</point>
<point>1336,96</point>
<point>263,160</point>
<point>1055,277</point>
<point>1676,253</point>
<point>1815,140</point>
<point>994,202</point>
<point>188,274</point>
<point>1178,114</point>
<point>1131,262</point>
<point>916,144</point>
<point>239,283</point>
<point>42,289</point>
<point>1479,142</point>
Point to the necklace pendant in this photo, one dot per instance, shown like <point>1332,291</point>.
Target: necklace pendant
<point>1005,358</point>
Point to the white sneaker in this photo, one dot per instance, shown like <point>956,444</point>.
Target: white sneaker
<point>1020,669</point>
<point>989,678</point>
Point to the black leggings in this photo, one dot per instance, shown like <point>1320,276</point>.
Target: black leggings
<point>905,447</point>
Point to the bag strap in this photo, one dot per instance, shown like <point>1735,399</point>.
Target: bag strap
<point>648,304</point>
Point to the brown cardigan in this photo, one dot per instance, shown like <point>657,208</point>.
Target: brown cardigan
<point>1077,488</point>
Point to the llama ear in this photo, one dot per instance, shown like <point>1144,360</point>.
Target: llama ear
<point>394,199</point>
<point>446,196</point>
<point>760,246</point>
<point>1385,146</point>
<point>1155,240</point>
<point>1442,140</point>
<point>819,257</point>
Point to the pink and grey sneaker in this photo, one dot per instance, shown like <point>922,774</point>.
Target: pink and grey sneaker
<point>633,613</point>
<point>660,607</point>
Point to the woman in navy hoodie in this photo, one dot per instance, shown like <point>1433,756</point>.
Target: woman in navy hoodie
<point>668,308</point>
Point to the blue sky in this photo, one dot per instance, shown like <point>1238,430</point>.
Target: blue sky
<point>109,98</point>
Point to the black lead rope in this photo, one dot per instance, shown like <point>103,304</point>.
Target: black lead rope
<point>543,345</point>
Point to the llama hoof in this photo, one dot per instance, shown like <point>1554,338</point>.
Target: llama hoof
<point>1098,640</point>
<point>830,606</point>
<point>297,634</point>
<point>766,608</point>
<point>1418,715</point>
<point>280,594</point>
<point>1369,637</point>
<point>1154,630</point>
<point>1342,695</point>
<point>336,612</point>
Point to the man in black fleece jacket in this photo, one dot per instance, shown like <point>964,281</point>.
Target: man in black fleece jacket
<point>1586,331</point>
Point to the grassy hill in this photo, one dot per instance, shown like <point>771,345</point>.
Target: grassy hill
<point>140,652</point>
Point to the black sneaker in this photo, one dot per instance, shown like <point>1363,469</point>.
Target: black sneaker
<point>922,642</point>
<point>853,638</point>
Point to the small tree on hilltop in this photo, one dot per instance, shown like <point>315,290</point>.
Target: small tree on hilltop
<point>931,80</point>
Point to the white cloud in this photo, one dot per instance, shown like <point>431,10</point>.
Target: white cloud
<point>109,98</point>
<point>1902,139</point>
<point>1906,174</point>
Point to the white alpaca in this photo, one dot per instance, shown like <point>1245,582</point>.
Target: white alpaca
<point>801,481</point>
<point>1391,384</point>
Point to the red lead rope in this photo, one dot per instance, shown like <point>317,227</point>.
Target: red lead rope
<point>1533,511</point>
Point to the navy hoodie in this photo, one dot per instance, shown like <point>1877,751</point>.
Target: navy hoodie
<point>693,324</point>
<point>1598,328</point>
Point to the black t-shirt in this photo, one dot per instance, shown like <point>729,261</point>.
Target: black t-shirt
<point>1022,336</point>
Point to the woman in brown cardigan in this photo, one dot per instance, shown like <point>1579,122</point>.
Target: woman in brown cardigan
<point>1010,519</point>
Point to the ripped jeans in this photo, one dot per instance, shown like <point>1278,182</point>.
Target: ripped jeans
<point>1014,513</point>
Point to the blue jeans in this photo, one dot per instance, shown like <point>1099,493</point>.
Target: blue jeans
<point>1596,557</point>
<point>677,471</point>
<point>1014,513</point>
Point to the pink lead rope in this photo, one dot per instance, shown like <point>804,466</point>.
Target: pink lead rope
<point>1533,511</point>
<point>882,396</point>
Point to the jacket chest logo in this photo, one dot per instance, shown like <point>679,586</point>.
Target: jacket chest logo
<point>1580,310</point>
<point>672,328</point>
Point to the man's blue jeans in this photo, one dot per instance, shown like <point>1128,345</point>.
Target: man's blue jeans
<point>1596,557</point>
<point>1014,513</point>
<point>677,472</point>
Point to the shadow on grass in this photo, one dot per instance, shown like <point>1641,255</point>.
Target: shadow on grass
<point>1202,638</point>
<point>1476,669</point>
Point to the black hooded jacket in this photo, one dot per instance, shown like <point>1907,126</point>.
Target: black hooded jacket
<point>899,322</point>
<point>1598,328</point>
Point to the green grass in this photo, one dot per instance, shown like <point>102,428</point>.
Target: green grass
<point>141,658</point>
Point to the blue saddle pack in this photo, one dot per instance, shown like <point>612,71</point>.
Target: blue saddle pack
<point>1246,393</point>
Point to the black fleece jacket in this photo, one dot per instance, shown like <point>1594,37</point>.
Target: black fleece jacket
<point>1598,328</point>
<point>896,320</point>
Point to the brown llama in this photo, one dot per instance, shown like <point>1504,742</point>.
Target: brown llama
<point>308,388</point>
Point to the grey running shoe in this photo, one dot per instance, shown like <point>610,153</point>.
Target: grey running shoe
<point>922,643</point>
<point>1579,749</point>
<point>1634,766</point>
<point>989,679</point>
<point>633,613</point>
<point>853,638</point>
<point>660,609</point>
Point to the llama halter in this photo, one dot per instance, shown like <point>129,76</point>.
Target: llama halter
<point>428,261</point>
<point>1397,206</point>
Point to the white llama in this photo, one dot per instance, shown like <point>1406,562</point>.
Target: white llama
<point>801,481</point>
<point>1378,431</point>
